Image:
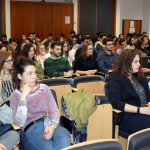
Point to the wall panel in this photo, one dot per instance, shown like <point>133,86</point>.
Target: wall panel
<point>97,16</point>
<point>88,16</point>
<point>105,16</point>
<point>59,13</point>
<point>43,18</point>
<point>2,17</point>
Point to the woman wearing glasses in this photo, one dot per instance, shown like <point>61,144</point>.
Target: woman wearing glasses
<point>10,138</point>
<point>6,85</point>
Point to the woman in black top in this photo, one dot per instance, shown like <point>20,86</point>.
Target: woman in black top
<point>86,63</point>
<point>128,91</point>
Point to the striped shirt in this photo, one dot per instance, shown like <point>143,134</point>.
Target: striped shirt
<point>7,88</point>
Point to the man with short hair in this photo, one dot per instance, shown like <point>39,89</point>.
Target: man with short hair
<point>57,65</point>
<point>106,58</point>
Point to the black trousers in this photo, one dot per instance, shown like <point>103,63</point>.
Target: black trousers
<point>132,122</point>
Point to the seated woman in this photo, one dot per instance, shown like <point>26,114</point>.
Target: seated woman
<point>86,63</point>
<point>6,85</point>
<point>41,53</point>
<point>65,49</point>
<point>29,52</point>
<point>9,140</point>
<point>31,103</point>
<point>128,91</point>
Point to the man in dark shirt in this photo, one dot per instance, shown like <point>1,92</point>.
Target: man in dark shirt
<point>106,58</point>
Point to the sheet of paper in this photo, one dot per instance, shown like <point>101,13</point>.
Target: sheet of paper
<point>67,19</point>
<point>131,24</point>
<point>132,30</point>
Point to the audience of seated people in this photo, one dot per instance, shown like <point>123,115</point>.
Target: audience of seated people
<point>86,60</point>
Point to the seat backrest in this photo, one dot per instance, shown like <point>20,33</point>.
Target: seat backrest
<point>139,140</point>
<point>100,123</point>
<point>107,144</point>
<point>92,83</point>
<point>61,87</point>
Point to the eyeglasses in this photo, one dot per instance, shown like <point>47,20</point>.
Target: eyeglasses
<point>9,61</point>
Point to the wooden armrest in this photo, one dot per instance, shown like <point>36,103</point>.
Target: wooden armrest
<point>76,75</point>
<point>117,111</point>
<point>74,89</point>
<point>97,94</point>
<point>15,126</point>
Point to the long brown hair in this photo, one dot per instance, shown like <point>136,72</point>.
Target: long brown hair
<point>3,58</point>
<point>123,63</point>
<point>84,50</point>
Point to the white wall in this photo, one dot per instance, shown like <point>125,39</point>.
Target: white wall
<point>133,9</point>
<point>128,9</point>
<point>7,12</point>
<point>146,17</point>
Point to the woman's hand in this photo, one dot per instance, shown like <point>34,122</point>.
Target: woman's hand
<point>145,110</point>
<point>2,147</point>
<point>26,89</point>
<point>91,72</point>
<point>49,131</point>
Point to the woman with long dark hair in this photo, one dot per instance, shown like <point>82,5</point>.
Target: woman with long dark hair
<point>128,91</point>
<point>86,63</point>
<point>36,111</point>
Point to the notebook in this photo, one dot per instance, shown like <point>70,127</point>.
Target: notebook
<point>145,61</point>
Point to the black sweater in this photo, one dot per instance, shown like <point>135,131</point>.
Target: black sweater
<point>120,91</point>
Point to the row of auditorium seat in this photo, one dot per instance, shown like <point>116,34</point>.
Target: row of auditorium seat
<point>100,122</point>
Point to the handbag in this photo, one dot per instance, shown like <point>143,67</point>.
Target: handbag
<point>6,115</point>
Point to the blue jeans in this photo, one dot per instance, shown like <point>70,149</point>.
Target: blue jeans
<point>33,138</point>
